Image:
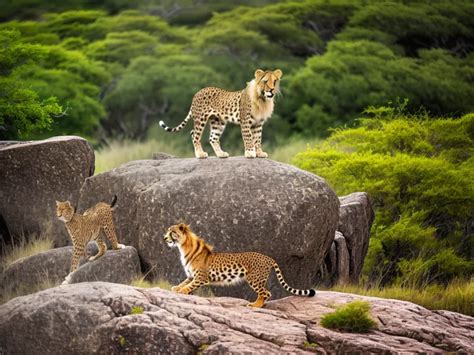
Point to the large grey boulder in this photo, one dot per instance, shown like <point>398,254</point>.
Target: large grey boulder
<point>35,272</point>
<point>119,266</point>
<point>356,216</point>
<point>106,318</point>
<point>35,174</point>
<point>49,268</point>
<point>236,204</point>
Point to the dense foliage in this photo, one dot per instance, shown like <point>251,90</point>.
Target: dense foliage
<point>114,68</point>
<point>419,172</point>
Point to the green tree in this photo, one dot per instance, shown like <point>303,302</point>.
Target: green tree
<point>418,172</point>
<point>21,109</point>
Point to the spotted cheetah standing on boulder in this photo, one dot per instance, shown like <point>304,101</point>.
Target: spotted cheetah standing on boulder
<point>249,108</point>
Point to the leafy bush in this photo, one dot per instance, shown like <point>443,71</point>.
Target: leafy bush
<point>418,172</point>
<point>353,317</point>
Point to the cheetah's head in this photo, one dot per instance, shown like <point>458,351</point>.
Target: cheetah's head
<point>64,211</point>
<point>268,82</point>
<point>176,235</point>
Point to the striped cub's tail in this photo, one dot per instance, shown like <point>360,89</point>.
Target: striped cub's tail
<point>308,293</point>
<point>177,128</point>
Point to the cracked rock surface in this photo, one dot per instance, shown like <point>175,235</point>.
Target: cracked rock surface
<point>106,318</point>
<point>235,204</point>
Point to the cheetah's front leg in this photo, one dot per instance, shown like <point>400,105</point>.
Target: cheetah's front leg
<point>246,127</point>
<point>257,138</point>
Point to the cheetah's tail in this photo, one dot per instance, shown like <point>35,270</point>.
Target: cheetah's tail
<point>114,200</point>
<point>177,128</point>
<point>308,293</point>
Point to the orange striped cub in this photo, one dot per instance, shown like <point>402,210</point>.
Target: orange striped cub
<point>204,267</point>
<point>86,227</point>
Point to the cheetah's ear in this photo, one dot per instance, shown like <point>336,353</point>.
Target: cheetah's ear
<point>259,73</point>
<point>278,73</point>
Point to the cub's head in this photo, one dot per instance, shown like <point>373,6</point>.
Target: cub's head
<point>64,211</point>
<point>176,235</point>
<point>268,82</point>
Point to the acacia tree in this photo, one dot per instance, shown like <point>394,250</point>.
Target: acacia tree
<point>21,109</point>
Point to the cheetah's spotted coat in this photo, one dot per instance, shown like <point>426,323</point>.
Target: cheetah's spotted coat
<point>249,108</point>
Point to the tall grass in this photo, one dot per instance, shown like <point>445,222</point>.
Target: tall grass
<point>25,246</point>
<point>117,153</point>
<point>22,247</point>
<point>458,296</point>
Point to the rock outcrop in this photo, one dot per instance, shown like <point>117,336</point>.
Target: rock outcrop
<point>345,258</point>
<point>109,318</point>
<point>236,204</point>
<point>355,220</point>
<point>52,266</point>
<point>35,174</point>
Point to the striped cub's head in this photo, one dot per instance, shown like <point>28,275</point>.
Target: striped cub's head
<point>64,211</point>
<point>176,235</point>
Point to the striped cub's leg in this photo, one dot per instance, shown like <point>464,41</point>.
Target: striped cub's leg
<point>257,279</point>
<point>200,279</point>
<point>181,285</point>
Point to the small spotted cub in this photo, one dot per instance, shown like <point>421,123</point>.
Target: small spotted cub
<point>86,227</point>
<point>203,267</point>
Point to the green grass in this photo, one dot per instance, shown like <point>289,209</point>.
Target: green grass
<point>25,246</point>
<point>117,153</point>
<point>204,291</point>
<point>136,310</point>
<point>22,247</point>
<point>353,317</point>
<point>458,296</point>
<point>120,152</point>
<point>163,284</point>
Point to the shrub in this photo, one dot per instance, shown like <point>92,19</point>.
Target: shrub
<point>136,310</point>
<point>418,172</point>
<point>353,317</point>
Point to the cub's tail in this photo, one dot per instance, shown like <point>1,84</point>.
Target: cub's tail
<point>177,128</point>
<point>114,200</point>
<point>308,293</point>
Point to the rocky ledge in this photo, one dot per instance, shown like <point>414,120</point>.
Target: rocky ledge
<point>111,318</point>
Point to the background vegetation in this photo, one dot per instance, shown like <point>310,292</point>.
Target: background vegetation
<point>110,70</point>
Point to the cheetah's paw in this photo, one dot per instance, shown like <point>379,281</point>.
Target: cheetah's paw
<point>223,155</point>
<point>201,155</point>
<point>250,153</point>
